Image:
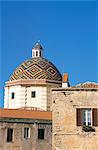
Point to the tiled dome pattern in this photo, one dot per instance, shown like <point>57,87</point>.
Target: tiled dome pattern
<point>36,68</point>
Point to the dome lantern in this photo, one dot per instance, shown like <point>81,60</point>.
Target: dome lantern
<point>37,50</point>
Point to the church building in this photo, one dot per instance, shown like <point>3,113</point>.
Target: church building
<point>30,84</point>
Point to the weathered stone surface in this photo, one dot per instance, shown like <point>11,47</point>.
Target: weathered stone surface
<point>66,134</point>
<point>19,143</point>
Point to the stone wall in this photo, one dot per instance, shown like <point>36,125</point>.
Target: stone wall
<point>66,134</point>
<point>19,142</point>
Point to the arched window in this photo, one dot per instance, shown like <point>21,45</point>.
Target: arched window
<point>36,53</point>
<point>40,53</point>
<point>33,53</point>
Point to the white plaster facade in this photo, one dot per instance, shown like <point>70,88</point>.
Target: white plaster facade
<point>22,95</point>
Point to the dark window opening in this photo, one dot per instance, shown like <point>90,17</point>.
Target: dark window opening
<point>13,95</point>
<point>41,134</point>
<point>33,94</point>
<point>9,135</point>
<point>33,53</point>
<point>26,133</point>
<point>36,53</point>
<point>40,53</point>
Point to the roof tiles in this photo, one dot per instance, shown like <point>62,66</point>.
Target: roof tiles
<point>25,114</point>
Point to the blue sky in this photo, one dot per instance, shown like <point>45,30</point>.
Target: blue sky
<point>67,30</point>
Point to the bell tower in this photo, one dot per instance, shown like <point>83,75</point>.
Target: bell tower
<point>37,50</point>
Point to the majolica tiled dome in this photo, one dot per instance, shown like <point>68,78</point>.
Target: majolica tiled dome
<point>36,68</point>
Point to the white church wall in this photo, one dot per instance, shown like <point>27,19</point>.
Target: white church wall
<point>19,97</point>
<point>23,97</point>
<point>6,97</point>
<point>40,97</point>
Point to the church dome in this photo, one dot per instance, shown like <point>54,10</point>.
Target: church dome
<point>36,68</point>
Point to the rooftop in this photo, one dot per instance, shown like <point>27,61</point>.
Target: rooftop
<point>38,46</point>
<point>36,68</point>
<point>25,114</point>
<point>89,86</point>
